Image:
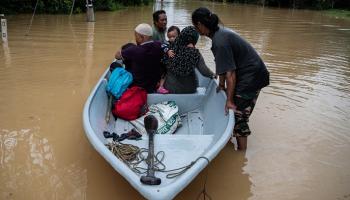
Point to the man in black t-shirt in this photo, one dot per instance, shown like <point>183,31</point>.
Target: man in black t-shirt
<point>237,62</point>
<point>242,73</point>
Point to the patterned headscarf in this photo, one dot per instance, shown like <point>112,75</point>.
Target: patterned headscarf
<point>186,58</point>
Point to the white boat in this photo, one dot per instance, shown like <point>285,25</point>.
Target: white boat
<point>204,132</point>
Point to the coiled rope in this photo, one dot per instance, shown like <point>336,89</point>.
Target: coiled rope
<point>132,156</point>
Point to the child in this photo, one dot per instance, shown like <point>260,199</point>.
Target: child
<point>117,62</point>
<point>172,34</point>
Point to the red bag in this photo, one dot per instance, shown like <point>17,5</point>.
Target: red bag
<point>131,104</point>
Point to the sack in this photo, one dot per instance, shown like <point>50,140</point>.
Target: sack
<point>118,82</point>
<point>167,114</point>
<point>131,104</point>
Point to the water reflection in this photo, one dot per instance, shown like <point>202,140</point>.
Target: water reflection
<point>29,160</point>
<point>177,15</point>
<point>7,54</point>
<point>89,50</point>
<point>225,178</point>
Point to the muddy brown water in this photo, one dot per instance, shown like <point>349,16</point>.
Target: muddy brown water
<point>300,144</point>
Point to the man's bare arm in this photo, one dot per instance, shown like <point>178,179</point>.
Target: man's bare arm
<point>230,79</point>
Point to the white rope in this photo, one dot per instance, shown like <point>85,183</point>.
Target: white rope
<point>71,11</point>
<point>31,21</point>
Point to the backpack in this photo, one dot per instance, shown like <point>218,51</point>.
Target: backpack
<point>131,105</point>
<point>118,82</point>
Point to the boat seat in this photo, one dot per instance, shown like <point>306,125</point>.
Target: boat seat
<point>185,102</point>
<point>192,124</point>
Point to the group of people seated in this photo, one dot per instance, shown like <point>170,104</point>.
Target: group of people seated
<point>160,65</point>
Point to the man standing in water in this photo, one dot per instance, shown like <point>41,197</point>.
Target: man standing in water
<point>159,25</point>
<point>242,73</point>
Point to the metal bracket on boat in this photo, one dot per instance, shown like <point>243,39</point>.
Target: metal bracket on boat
<point>109,107</point>
<point>151,125</point>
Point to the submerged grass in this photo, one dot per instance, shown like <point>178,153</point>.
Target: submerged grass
<point>342,14</point>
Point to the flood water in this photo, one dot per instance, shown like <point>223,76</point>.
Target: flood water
<point>300,145</point>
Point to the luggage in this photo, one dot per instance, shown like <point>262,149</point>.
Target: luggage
<point>131,105</point>
<point>118,82</point>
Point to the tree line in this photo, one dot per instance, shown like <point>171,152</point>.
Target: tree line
<point>299,4</point>
<point>63,6</point>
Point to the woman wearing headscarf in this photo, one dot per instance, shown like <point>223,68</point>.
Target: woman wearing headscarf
<point>181,76</point>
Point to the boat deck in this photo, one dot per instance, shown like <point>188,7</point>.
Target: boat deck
<point>192,124</point>
<point>179,151</point>
<point>187,139</point>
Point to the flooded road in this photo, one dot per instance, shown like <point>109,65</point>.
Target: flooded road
<point>300,145</point>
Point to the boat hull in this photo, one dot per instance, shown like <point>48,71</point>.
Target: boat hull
<point>205,131</point>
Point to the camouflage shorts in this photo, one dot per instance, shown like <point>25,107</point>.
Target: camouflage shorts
<point>244,108</point>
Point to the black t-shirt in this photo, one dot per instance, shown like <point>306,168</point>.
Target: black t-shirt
<point>143,62</point>
<point>232,52</point>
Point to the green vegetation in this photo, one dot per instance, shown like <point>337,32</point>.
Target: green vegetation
<point>63,6</point>
<point>338,8</point>
<point>343,14</point>
<point>299,4</point>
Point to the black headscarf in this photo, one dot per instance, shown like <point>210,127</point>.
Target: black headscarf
<point>186,58</point>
